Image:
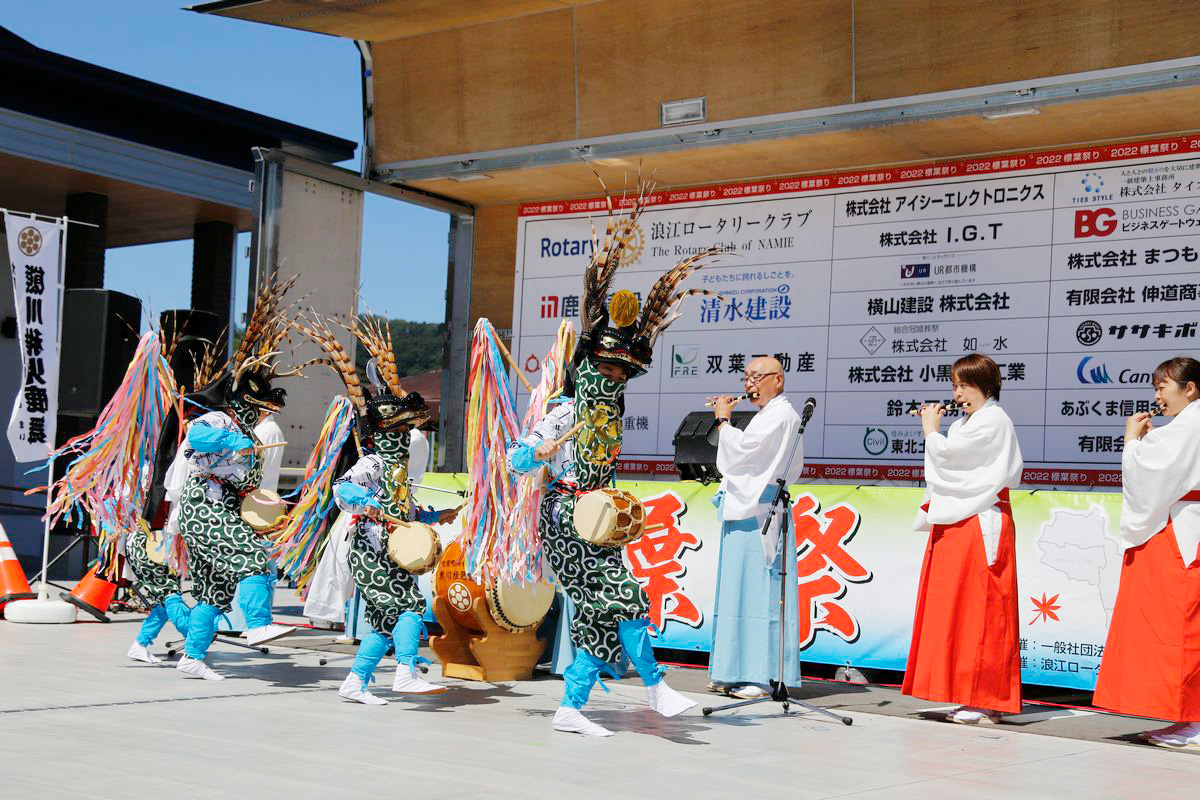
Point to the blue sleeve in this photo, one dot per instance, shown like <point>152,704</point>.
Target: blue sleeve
<point>521,457</point>
<point>205,439</point>
<point>425,515</point>
<point>353,498</point>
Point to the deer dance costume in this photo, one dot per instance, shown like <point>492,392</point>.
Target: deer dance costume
<point>611,610</point>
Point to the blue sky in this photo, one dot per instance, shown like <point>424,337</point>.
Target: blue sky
<point>303,78</point>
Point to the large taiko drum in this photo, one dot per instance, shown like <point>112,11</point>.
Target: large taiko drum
<point>519,607</point>
<point>452,582</point>
<point>513,607</point>
<point>609,517</point>
<point>413,546</point>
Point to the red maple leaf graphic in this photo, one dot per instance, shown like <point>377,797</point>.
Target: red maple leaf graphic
<point>1045,609</point>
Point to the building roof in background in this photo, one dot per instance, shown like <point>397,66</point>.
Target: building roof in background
<point>55,87</point>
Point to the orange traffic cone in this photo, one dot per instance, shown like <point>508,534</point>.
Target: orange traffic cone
<point>13,585</point>
<point>93,594</point>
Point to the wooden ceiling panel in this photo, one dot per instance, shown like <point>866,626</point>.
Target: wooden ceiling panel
<point>747,57</point>
<point>1134,116</point>
<point>476,88</point>
<point>908,47</point>
<point>381,20</point>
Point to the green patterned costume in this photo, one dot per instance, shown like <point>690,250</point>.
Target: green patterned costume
<point>596,579</point>
<point>155,582</point>
<point>222,548</point>
<point>387,590</point>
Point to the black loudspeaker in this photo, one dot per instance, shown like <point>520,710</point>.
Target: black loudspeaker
<point>99,337</point>
<point>196,330</point>
<point>695,444</point>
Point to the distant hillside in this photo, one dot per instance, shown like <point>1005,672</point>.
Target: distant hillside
<point>418,345</point>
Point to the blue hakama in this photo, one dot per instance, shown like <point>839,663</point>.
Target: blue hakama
<point>746,620</point>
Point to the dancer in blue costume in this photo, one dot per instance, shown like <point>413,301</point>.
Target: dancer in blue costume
<point>373,490</point>
<point>611,610</point>
<point>224,464</point>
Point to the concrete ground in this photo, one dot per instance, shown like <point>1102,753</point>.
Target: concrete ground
<point>78,719</point>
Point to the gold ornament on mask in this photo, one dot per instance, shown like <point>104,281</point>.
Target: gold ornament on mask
<point>623,308</point>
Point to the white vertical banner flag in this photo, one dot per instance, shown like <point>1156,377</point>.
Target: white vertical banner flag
<point>34,250</point>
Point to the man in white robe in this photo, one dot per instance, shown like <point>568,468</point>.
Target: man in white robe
<point>745,654</point>
<point>268,432</point>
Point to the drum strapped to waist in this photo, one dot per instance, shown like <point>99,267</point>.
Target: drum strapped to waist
<point>263,510</point>
<point>156,547</point>
<point>514,607</point>
<point>413,546</point>
<point>609,517</point>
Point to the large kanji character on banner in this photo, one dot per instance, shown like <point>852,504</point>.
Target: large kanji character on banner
<point>824,568</point>
<point>654,560</point>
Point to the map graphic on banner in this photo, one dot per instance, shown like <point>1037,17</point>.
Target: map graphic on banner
<point>1074,270</point>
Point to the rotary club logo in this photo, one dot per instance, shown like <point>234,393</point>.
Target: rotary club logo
<point>632,240</point>
<point>29,240</point>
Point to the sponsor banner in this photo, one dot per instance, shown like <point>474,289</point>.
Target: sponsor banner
<point>1075,270</point>
<point>1075,158</point>
<point>33,253</point>
<point>857,565</point>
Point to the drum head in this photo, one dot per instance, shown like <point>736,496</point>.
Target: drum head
<point>517,607</point>
<point>595,517</point>
<point>262,509</point>
<point>412,546</point>
<point>156,547</point>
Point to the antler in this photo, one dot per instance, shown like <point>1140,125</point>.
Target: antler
<point>262,325</point>
<point>662,303</point>
<point>296,371</point>
<point>606,256</point>
<point>263,360</point>
<point>339,360</point>
<point>379,345</point>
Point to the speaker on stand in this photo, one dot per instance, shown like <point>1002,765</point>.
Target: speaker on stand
<point>695,443</point>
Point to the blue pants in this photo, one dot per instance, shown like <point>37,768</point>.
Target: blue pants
<point>407,638</point>
<point>172,608</point>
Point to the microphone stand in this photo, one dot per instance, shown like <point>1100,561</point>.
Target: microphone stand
<point>779,689</point>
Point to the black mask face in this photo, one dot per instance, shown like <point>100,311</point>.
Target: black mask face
<point>386,412</point>
<point>255,389</point>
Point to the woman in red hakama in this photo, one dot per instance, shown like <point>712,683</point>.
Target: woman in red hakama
<point>965,642</point>
<point>1151,663</point>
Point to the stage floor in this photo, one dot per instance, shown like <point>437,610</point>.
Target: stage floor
<point>81,720</point>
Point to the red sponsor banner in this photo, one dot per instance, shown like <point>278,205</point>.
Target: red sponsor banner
<point>1032,476</point>
<point>1098,154</point>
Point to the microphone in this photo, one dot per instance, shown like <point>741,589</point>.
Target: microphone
<point>810,405</point>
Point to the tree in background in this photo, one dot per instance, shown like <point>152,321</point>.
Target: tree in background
<point>419,347</point>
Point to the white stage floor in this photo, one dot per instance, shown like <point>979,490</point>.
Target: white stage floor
<point>78,719</point>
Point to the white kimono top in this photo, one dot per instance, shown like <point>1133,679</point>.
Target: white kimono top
<point>1156,472</point>
<point>753,459</point>
<point>268,432</point>
<point>558,420</point>
<point>966,469</point>
<point>332,582</point>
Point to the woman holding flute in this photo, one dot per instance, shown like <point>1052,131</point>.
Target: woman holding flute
<point>964,645</point>
<point>1151,664</point>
